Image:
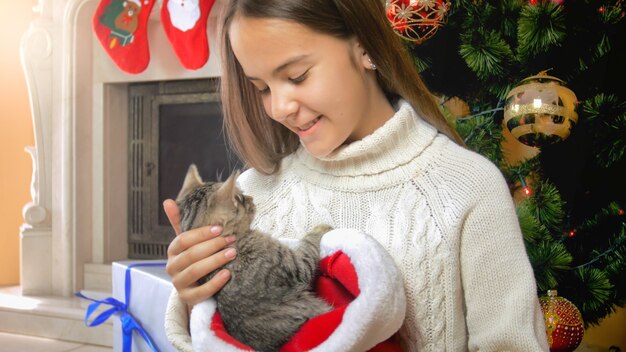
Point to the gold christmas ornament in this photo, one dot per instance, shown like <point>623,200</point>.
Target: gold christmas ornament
<point>417,20</point>
<point>564,324</point>
<point>540,111</point>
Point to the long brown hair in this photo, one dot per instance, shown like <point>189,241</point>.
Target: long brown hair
<point>262,142</point>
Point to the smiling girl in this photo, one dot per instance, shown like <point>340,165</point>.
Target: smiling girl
<point>323,104</point>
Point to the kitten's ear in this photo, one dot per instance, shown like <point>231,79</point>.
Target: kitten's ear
<point>228,190</point>
<point>192,180</point>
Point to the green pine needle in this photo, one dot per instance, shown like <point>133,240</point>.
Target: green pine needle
<point>532,229</point>
<point>592,292</point>
<point>611,14</point>
<point>540,27</point>
<point>603,47</point>
<point>616,258</point>
<point>547,205</point>
<point>483,135</point>
<point>550,260</point>
<point>485,53</point>
<point>607,113</point>
<point>613,210</point>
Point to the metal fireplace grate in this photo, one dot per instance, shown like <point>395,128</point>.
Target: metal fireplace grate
<point>171,125</point>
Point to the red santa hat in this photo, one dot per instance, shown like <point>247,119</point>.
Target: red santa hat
<point>360,280</point>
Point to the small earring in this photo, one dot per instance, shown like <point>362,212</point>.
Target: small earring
<point>372,65</point>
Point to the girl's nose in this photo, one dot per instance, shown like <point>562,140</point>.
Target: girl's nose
<point>284,106</point>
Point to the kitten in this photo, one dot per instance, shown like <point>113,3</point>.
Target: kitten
<point>269,295</point>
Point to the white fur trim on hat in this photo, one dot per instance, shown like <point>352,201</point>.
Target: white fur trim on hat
<point>378,311</point>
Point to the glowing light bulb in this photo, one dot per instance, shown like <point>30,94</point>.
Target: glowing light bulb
<point>515,107</point>
<point>536,103</point>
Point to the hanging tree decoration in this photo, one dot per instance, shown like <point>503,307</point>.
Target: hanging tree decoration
<point>417,20</point>
<point>540,111</point>
<point>564,324</point>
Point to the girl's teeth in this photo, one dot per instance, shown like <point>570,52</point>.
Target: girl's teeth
<point>309,125</point>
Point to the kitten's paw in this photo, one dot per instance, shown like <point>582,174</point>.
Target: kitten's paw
<point>317,233</point>
<point>321,229</point>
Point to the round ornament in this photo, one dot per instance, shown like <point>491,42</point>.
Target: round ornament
<point>564,324</point>
<point>417,20</point>
<point>540,111</point>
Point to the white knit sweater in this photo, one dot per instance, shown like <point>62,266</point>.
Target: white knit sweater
<point>444,214</point>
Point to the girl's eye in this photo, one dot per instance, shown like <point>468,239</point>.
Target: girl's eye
<point>264,91</point>
<point>300,78</point>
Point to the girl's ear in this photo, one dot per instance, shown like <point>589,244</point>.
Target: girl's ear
<point>363,59</point>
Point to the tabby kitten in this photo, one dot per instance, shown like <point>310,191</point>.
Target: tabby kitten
<point>269,295</point>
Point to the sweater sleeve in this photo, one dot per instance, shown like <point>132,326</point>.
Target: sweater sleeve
<point>502,308</point>
<point>177,324</point>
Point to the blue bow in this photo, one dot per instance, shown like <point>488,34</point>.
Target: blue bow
<point>129,323</point>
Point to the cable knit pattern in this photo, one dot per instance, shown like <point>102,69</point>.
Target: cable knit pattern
<point>444,214</point>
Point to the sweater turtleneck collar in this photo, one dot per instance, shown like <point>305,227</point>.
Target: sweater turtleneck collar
<point>400,140</point>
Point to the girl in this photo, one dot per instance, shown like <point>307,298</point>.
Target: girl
<point>323,103</point>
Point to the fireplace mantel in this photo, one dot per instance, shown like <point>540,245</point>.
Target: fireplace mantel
<point>77,215</point>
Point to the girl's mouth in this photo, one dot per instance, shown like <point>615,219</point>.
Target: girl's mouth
<point>308,125</point>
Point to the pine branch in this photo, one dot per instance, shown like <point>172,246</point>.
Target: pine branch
<point>486,53</point>
<point>522,170</point>
<point>600,256</point>
<point>540,27</point>
<point>606,118</point>
<point>612,211</point>
<point>591,292</point>
<point>532,229</point>
<point>550,261</point>
<point>547,205</point>
<point>482,134</point>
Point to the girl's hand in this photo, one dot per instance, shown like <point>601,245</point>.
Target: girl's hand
<point>195,254</point>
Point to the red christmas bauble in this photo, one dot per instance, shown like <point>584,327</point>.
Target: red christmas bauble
<point>564,324</point>
<point>417,20</point>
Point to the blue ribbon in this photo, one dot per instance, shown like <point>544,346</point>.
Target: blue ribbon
<point>129,323</point>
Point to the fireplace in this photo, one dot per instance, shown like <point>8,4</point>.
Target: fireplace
<point>78,220</point>
<point>172,125</point>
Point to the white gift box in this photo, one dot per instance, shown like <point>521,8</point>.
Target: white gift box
<point>150,288</point>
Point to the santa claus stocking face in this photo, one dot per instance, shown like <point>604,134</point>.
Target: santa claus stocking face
<point>184,13</point>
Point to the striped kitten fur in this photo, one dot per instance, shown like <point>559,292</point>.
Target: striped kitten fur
<point>269,295</point>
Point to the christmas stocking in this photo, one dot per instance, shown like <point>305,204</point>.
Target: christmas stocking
<point>121,28</point>
<point>357,277</point>
<point>185,22</point>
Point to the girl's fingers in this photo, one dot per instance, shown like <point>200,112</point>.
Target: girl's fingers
<point>195,254</point>
<point>191,238</point>
<point>198,269</point>
<point>185,282</point>
<point>193,295</point>
<point>173,214</point>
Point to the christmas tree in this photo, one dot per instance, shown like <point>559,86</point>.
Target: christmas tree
<point>472,55</point>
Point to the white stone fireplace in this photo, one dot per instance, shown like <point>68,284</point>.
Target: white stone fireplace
<point>76,224</point>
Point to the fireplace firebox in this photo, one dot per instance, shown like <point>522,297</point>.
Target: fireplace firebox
<point>171,125</point>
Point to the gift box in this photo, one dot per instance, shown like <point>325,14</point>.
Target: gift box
<point>149,288</point>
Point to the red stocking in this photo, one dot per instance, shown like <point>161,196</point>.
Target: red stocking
<point>185,23</point>
<point>121,28</point>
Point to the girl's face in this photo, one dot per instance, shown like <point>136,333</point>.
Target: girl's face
<point>320,87</point>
